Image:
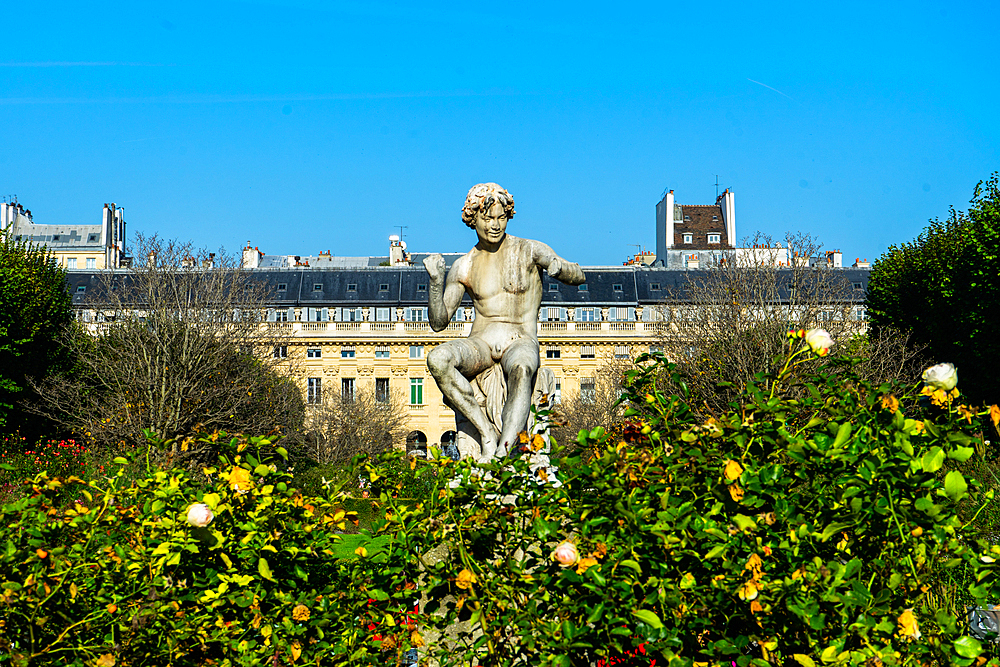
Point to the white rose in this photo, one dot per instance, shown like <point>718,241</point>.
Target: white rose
<point>199,515</point>
<point>942,376</point>
<point>819,341</point>
<point>566,554</point>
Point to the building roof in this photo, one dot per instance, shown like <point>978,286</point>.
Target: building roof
<point>407,286</point>
<point>700,220</point>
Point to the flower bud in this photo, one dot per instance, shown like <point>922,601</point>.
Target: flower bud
<point>941,376</point>
<point>199,516</point>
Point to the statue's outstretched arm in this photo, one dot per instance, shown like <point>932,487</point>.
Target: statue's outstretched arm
<point>445,293</point>
<point>557,267</point>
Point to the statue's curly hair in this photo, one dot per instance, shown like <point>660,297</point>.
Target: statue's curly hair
<point>482,197</point>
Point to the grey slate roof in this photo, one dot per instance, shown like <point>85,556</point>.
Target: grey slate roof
<point>407,286</point>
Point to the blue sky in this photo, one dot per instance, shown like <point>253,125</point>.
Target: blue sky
<point>304,126</point>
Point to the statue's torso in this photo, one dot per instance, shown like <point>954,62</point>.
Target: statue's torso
<point>506,288</point>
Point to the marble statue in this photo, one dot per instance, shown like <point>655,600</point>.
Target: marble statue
<point>488,378</point>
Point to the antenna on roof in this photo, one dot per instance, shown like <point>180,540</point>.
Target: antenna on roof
<point>401,228</point>
<point>716,186</point>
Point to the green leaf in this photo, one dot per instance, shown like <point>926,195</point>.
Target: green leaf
<point>843,433</point>
<point>955,485</point>
<point>120,460</point>
<point>632,565</point>
<point>961,454</point>
<point>932,460</point>
<point>743,522</point>
<point>804,660</point>
<point>649,618</point>
<point>596,614</point>
<point>264,569</point>
<point>968,647</point>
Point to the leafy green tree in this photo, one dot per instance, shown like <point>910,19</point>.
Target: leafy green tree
<point>944,288</point>
<point>36,310</point>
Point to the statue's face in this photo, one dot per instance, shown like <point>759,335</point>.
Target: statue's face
<point>491,225</point>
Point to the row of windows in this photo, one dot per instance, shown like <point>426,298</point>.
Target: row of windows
<point>347,352</point>
<point>712,238</point>
<point>351,287</point>
<point>91,263</point>
<point>314,390</point>
<point>417,352</point>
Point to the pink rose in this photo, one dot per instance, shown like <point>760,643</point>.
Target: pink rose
<point>199,515</point>
<point>566,554</point>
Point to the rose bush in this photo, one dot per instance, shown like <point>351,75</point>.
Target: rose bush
<point>241,570</point>
<point>812,523</point>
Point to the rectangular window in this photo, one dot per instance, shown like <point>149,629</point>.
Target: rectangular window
<point>282,287</point>
<point>416,391</point>
<point>655,287</point>
<point>416,352</point>
<point>417,314</point>
<point>352,287</point>
<point>861,314</point>
<point>317,287</point>
<point>280,351</point>
<point>858,287</point>
<point>689,238</point>
<point>81,289</point>
<point>583,288</point>
<point>281,316</point>
<point>314,353</point>
<point>622,352</point>
<point>382,352</point>
<point>557,394</point>
<point>553,287</point>
<point>552,353</point>
<point>347,352</point>
<point>382,390</point>
<point>714,238</point>
<point>347,390</point>
<point>382,314</point>
<point>91,263</point>
<point>71,263</point>
<point>586,315</point>
<point>587,352</point>
<point>553,314</point>
<point>314,392</point>
<point>617,287</point>
<point>352,315</point>
<point>421,288</point>
<point>588,391</point>
<point>383,287</point>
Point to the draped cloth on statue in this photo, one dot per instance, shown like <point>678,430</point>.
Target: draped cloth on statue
<point>490,389</point>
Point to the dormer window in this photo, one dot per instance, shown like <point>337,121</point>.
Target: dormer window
<point>317,287</point>
<point>352,287</point>
<point>617,287</point>
<point>92,238</point>
<point>55,237</point>
<point>687,218</point>
<point>715,218</point>
<point>383,287</point>
<point>553,287</point>
<point>689,238</point>
<point>421,288</point>
<point>282,287</point>
<point>583,288</point>
<point>714,238</point>
<point>655,287</point>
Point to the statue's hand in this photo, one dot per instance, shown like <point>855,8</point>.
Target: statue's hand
<point>435,266</point>
<point>555,267</point>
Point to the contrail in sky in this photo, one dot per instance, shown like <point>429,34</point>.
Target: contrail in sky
<point>57,63</point>
<point>770,88</point>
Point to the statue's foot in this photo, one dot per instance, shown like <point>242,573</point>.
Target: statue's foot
<point>489,450</point>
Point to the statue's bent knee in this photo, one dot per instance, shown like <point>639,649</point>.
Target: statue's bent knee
<point>440,360</point>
